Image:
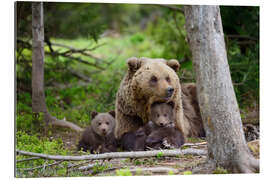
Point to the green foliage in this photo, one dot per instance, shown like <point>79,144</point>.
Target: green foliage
<point>34,143</point>
<point>245,74</point>
<point>159,155</point>
<point>220,170</point>
<point>137,38</point>
<point>123,172</point>
<point>170,172</point>
<point>169,32</point>
<point>187,173</point>
<point>242,39</point>
<point>98,168</point>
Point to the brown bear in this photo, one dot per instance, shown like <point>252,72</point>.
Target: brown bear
<point>99,137</point>
<point>147,81</point>
<point>159,130</point>
<point>164,138</point>
<point>192,111</point>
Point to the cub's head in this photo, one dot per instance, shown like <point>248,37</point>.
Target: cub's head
<point>103,123</point>
<point>162,114</point>
<point>154,80</point>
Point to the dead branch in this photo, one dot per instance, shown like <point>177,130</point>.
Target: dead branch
<point>68,53</point>
<point>61,123</point>
<point>83,51</point>
<point>195,144</point>
<point>27,159</point>
<point>65,86</point>
<point>79,75</point>
<point>132,154</point>
<point>41,166</point>
<point>153,170</point>
<point>75,58</point>
<point>87,167</point>
<point>236,36</point>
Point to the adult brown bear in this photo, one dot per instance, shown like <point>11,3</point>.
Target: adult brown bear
<point>148,81</point>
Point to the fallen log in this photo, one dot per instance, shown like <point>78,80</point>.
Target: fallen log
<point>131,154</point>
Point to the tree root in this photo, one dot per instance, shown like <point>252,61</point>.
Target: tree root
<point>61,123</point>
<point>246,165</point>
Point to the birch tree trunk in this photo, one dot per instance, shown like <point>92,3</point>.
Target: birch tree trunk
<point>38,95</point>
<point>219,109</point>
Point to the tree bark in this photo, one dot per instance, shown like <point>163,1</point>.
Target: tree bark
<point>219,109</point>
<point>38,94</point>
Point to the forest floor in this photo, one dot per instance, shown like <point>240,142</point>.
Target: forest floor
<point>181,165</point>
<point>137,166</point>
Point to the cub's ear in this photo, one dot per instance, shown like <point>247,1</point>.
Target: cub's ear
<point>174,64</point>
<point>94,114</point>
<point>112,113</point>
<point>133,64</point>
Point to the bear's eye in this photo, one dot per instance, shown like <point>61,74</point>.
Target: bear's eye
<point>157,115</point>
<point>99,123</point>
<point>153,79</point>
<point>168,79</point>
<point>165,115</point>
<point>107,123</point>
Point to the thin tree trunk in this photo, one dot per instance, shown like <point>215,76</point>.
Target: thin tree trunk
<point>219,109</point>
<point>38,95</point>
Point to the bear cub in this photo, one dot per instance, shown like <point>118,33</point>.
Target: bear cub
<point>99,137</point>
<point>159,133</point>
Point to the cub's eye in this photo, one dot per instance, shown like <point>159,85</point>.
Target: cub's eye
<point>168,79</point>
<point>153,79</point>
<point>165,115</point>
<point>99,123</point>
<point>107,123</point>
<point>157,115</point>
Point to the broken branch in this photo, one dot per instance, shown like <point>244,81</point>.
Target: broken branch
<point>132,154</point>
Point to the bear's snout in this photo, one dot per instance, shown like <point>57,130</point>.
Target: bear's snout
<point>170,91</point>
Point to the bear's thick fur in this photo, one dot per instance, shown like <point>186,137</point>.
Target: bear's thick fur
<point>147,81</point>
<point>158,133</point>
<point>191,110</point>
<point>164,138</point>
<point>99,137</point>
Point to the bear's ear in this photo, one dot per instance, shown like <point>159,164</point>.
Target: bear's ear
<point>94,114</point>
<point>133,64</point>
<point>112,113</point>
<point>174,64</point>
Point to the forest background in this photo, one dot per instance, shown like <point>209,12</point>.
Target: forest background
<point>86,47</point>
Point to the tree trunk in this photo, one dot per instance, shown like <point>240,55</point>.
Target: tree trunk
<point>219,109</point>
<point>38,95</point>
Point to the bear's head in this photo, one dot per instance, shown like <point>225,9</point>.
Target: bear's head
<point>103,123</point>
<point>153,80</point>
<point>162,114</point>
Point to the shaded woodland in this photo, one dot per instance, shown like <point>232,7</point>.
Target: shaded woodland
<point>85,48</point>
